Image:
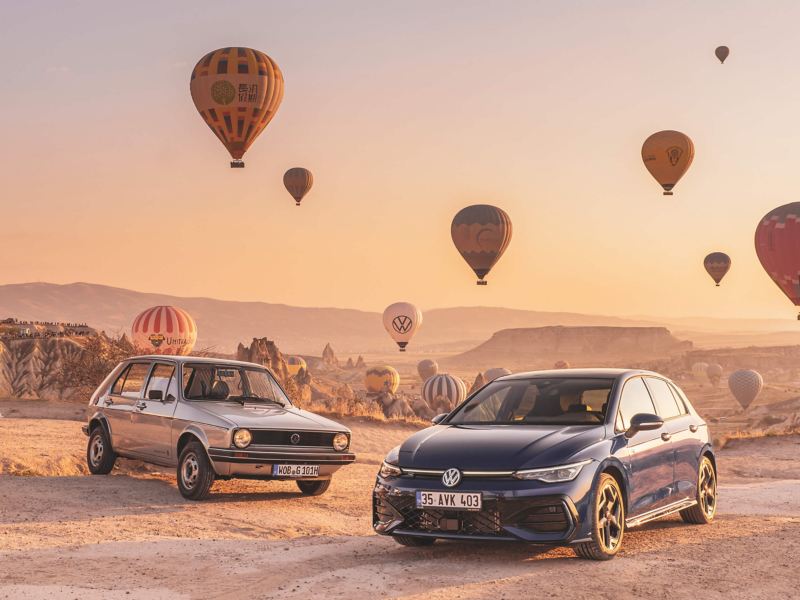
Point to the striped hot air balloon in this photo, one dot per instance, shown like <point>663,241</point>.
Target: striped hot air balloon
<point>295,363</point>
<point>717,265</point>
<point>237,92</point>
<point>481,233</point>
<point>298,182</point>
<point>164,330</point>
<point>745,385</point>
<point>443,392</point>
<point>382,379</point>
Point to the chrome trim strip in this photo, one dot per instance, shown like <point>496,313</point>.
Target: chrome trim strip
<point>464,473</point>
<point>660,512</point>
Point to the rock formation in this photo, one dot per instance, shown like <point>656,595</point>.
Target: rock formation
<point>264,352</point>
<point>31,368</point>
<point>480,381</point>
<point>360,364</point>
<point>350,364</point>
<point>329,356</point>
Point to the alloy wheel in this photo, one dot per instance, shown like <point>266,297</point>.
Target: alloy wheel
<point>609,517</point>
<point>708,489</point>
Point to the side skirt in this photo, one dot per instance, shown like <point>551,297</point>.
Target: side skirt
<point>660,512</point>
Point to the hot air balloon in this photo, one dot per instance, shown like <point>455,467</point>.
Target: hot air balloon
<point>295,363</point>
<point>667,155</point>
<point>443,392</point>
<point>481,234</point>
<point>382,379</point>
<point>164,330</point>
<point>745,385</point>
<point>237,92</point>
<point>298,182</point>
<point>722,53</point>
<point>714,373</point>
<point>494,373</point>
<point>717,264</point>
<point>778,248</point>
<point>427,368</point>
<point>699,370</point>
<point>561,364</point>
<point>401,320</point>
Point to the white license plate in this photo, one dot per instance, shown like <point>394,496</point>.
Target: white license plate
<point>295,470</point>
<point>451,500</point>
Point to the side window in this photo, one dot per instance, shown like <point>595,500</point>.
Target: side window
<point>666,406</point>
<point>134,382</point>
<point>161,379</point>
<point>680,398</point>
<point>635,399</point>
<point>116,389</point>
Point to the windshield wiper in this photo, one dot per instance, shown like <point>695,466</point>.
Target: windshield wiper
<point>242,399</point>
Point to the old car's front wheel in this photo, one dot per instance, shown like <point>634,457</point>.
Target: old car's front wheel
<point>195,474</point>
<point>608,521</point>
<point>703,512</point>
<point>99,455</point>
<point>314,487</point>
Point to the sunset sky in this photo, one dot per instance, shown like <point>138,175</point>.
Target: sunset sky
<point>405,113</point>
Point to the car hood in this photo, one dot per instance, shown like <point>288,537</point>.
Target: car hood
<point>268,416</point>
<point>496,447</point>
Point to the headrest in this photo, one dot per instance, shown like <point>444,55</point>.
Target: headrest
<point>578,408</point>
<point>220,390</point>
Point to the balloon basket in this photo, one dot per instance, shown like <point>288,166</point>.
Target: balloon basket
<point>482,282</point>
<point>297,203</point>
<point>668,193</point>
<point>237,164</point>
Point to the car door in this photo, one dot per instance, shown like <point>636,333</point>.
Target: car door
<point>152,418</point>
<point>648,459</point>
<point>688,445</point>
<point>119,405</point>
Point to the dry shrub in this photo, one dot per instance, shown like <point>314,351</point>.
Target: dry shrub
<point>85,370</point>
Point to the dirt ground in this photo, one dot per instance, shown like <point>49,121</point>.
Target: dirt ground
<point>64,534</point>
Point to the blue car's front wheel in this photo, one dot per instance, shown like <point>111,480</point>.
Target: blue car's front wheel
<point>608,521</point>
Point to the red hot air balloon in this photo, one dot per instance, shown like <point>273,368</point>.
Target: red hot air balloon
<point>481,234</point>
<point>778,248</point>
<point>164,330</point>
<point>717,265</point>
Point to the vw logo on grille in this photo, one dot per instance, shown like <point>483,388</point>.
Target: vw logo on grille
<point>295,438</point>
<point>451,478</point>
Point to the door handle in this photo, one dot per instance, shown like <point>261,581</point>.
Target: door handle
<point>109,402</point>
<point>666,436</point>
<point>693,428</point>
<point>141,405</point>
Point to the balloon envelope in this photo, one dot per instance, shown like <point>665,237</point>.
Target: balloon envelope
<point>722,53</point>
<point>443,392</point>
<point>717,265</point>
<point>699,370</point>
<point>745,385</point>
<point>298,182</point>
<point>481,233</point>
<point>714,373</point>
<point>667,155</point>
<point>164,330</point>
<point>778,247</point>
<point>382,379</point>
<point>494,373</point>
<point>295,363</point>
<point>427,368</point>
<point>561,364</point>
<point>401,320</point>
<point>237,92</point>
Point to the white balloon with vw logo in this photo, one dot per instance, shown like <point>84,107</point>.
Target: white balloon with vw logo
<point>401,320</point>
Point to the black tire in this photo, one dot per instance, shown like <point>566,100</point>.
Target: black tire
<point>413,542</point>
<point>704,511</point>
<point>195,474</point>
<point>100,456</point>
<point>608,521</point>
<point>314,487</point>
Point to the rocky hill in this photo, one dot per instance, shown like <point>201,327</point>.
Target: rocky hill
<point>541,347</point>
<point>29,368</point>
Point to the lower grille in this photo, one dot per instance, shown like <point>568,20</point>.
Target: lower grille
<point>542,515</point>
<point>483,522</point>
<point>266,437</point>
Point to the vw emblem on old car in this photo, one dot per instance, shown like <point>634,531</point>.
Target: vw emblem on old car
<point>451,478</point>
<point>295,438</point>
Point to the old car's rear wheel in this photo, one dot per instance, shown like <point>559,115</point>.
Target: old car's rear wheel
<point>608,522</point>
<point>703,512</point>
<point>314,487</point>
<point>195,474</point>
<point>99,455</point>
<point>413,542</point>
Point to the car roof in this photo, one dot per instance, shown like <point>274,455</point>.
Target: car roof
<point>598,372</point>
<point>196,359</point>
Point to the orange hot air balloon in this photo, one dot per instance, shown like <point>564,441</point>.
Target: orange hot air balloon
<point>164,330</point>
<point>481,234</point>
<point>778,248</point>
<point>722,53</point>
<point>667,155</point>
<point>298,182</point>
<point>237,91</point>
<point>717,265</point>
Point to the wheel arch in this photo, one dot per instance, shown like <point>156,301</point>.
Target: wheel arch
<point>99,420</point>
<point>708,451</point>
<point>617,471</point>
<point>188,435</point>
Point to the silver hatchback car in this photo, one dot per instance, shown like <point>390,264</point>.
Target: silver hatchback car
<point>212,419</point>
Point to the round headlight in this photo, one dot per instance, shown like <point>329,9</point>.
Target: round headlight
<point>340,442</point>
<point>242,438</point>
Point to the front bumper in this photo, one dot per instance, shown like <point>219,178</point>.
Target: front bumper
<point>229,462</point>
<point>512,510</point>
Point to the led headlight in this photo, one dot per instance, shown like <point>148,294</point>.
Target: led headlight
<point>388,470</point>
<point>242,438</point>
<point>340,442</point>
<point>553,474</point>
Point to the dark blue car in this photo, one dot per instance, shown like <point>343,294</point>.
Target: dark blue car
<point>552,457</point>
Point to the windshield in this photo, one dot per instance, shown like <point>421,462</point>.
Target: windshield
<point>538,401</point>
<point>231,382</point>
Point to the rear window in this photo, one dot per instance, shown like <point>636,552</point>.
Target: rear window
<point>134,380</point>
<point>666,406</point>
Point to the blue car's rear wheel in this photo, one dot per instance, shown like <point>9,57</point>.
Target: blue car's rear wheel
<point>608,521</point>
<point>703,512</point>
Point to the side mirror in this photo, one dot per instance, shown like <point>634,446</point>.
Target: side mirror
<point>155,395</point>
<point>438,418</point>
<point>643,422</point>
